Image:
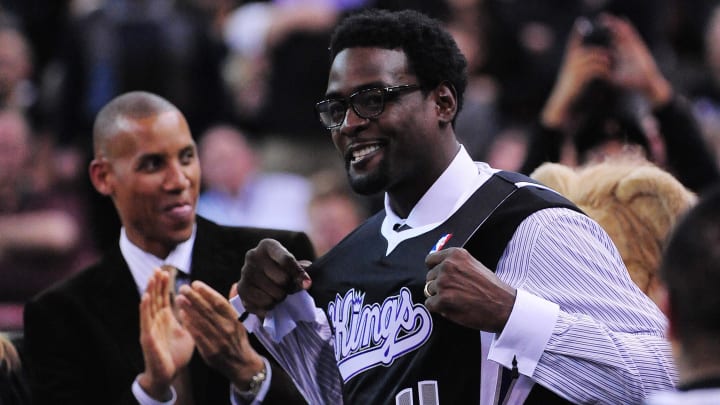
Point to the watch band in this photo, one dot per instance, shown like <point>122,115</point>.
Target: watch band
<point>256,383</point>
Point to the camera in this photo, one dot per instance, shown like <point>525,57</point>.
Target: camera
<point>594,33</point>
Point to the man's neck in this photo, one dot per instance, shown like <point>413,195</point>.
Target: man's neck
<point>402,203</point>
<point>405,196</point>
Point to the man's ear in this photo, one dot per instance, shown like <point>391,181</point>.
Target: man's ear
<point>99,174</point>
<point>446,102</point>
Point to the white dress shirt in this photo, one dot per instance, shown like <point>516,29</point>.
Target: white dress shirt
<point>142,265</point>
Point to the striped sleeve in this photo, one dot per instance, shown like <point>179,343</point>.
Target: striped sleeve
<point>607,343</point>
<point>307,355</point>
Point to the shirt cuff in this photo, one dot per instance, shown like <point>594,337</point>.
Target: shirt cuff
<point>298,307</point>
<point>237,398</point>
<point>526,333</point>
<point>144,399</point>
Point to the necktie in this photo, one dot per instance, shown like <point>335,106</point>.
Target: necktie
<point>177,276</point>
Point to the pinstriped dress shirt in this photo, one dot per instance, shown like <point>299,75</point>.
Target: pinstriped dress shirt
<point>579,325</point>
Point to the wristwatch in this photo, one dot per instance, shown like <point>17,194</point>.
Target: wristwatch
<point>256,382</point>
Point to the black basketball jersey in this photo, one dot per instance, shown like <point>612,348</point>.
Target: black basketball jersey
<point>390,349</point>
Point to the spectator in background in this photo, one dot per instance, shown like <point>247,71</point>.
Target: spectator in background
<point>268,39</point>
<point>690,272</point>
<point>237,192</point>
<point>527,44</point>
<point>509,149</point>
<point>13,386</point>
<point>123,45</point>
<point>16,87</point>
<point>333,211</point>
<point>44,23</point>
<point>608,93</point>
<point>478,122</point>
<point>41,228</point>
<point>705,91</point>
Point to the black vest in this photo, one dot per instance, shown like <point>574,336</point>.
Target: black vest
<point>387,344</point>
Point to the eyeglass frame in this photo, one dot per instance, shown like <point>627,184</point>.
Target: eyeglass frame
<point>392,91</point>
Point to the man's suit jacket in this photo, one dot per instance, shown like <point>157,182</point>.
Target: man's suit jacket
<point>81,342</point>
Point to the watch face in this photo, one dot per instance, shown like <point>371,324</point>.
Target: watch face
<point>256,383</point>
<point>257,380</point>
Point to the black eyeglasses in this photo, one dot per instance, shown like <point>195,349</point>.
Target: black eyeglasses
<point>367,103</point>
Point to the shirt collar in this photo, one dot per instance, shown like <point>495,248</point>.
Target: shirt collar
<point>454,186</point>
<point>142,264</point>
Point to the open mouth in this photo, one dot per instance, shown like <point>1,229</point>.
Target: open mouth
<point>360,154</point>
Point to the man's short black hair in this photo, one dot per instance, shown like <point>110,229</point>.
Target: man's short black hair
<point>690,270</point>
<point>433,56</point>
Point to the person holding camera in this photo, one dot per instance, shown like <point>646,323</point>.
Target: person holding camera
<point>610,97</point>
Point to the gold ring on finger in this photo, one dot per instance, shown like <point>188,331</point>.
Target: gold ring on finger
<point>426,290</point>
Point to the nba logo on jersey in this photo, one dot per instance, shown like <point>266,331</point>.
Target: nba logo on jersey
<point>441,242</point>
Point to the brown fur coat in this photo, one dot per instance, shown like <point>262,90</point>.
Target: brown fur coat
<point>636,203</point>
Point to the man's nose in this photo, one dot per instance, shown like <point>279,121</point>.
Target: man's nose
<point>176,177</point>
<point>351,121</point>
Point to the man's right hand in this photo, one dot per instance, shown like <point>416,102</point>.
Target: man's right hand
<point>270,274</point>
<point>167,346</point>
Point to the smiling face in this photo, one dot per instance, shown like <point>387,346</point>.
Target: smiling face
<point>404,149</point>
<point>151,170</point>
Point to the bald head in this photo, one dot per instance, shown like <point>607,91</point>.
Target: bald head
<point>115,116</point>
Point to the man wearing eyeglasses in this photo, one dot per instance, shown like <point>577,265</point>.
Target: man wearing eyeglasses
<point>521,299</point>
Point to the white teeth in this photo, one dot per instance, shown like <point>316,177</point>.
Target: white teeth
<point>361,153</point>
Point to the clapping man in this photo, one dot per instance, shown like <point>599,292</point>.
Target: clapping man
<point>83,337</point>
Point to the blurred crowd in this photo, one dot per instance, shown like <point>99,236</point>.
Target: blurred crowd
<point>547,83</point>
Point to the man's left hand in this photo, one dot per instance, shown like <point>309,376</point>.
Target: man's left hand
<point>220,337</point>
<point>465,291</point>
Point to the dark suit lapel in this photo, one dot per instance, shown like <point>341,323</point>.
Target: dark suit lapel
<point>118,308</point>
<point>218,255</point>
<point>212,263</point>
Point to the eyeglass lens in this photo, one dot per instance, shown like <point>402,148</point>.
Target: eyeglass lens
<point>366,103</point>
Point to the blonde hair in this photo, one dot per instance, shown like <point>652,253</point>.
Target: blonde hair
<point>9,358</point>
<point>636,202</point>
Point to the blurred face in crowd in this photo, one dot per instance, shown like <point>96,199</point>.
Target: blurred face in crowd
<point>394,151</point>
<point>14,61</point>
<point>712,43</point>
<point>14,147</point>
<point>151,171</point>
<point>332,217</point>
<point>229,160</point>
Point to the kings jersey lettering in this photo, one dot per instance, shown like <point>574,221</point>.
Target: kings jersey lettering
<point>370,335</point>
